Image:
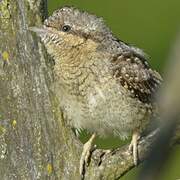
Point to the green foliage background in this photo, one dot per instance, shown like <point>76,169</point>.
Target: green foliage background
<point>150,25</point>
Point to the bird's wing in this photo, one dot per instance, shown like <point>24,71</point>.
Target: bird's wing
<point>134,73</point>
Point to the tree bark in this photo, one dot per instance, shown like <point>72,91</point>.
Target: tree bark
<point>35,142</point>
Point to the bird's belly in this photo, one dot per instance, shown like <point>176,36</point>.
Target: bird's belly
<point>107,111</point>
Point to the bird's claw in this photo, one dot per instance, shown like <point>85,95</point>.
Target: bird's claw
<point>86,154</point>
<point>133,147</point>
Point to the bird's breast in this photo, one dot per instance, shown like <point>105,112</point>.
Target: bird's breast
<point>92,99</point>
<point>105,109</point>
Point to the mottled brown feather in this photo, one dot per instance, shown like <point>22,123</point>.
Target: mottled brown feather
<point>135,74</point>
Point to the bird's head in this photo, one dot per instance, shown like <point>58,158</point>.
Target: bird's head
<point>69,27</point>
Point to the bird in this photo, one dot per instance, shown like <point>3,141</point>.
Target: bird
<point>105,85</point>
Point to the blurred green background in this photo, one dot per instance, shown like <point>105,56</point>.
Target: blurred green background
<point>150,25</point>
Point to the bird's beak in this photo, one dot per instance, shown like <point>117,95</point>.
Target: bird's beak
<point>40,31</point>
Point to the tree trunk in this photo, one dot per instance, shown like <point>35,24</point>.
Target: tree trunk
<point>34,143</point>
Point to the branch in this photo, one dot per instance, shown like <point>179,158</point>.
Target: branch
<point>116,163</point>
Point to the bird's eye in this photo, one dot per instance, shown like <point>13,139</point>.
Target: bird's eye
<point>66,28</point>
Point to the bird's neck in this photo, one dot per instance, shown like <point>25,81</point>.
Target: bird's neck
<point>75,55</point>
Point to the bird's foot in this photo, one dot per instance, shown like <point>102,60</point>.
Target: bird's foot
<point>87,149</point>
<point>133,147</point>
